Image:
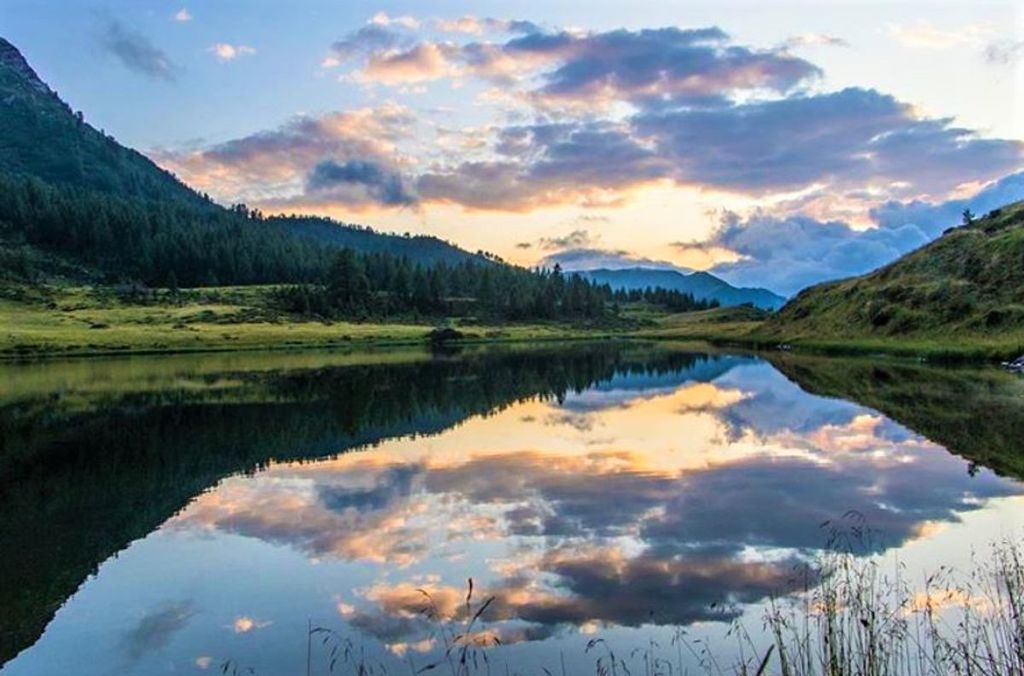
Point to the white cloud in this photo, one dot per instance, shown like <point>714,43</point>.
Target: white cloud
<point>182,15</point>
<point>787,254</point>
<point>227,52</point>
<point>468,24</point>
<point>383,19</point>
<point>925,35</point>
<point>245,624</point>
<point>815,40</point>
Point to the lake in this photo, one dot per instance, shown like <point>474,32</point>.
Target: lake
<point>189,513</point>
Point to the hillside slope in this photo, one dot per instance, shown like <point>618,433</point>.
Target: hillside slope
<point>702,285</point>
<point>969,282</point>
<point>40,136</point>
<point>424,249</point>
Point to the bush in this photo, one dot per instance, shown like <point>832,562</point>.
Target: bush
<point>445,334</point>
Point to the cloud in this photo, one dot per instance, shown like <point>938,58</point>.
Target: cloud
<point>155,630</point>
<point>468,24</point>
<point>423,62</point>
<point>787,254</point>
<point>692,109</point>
<point>846,138</point>
<point>277,163</point>
<point>381,185</point>
<point>591,258</point>
<point>647,68</point>
<point>576,238</point>
<point>843,141</point>
<point>384,19</point>
<point>1004,52</point>
<point>244,624</point>
<point>655,68</point>
<point>925,35</point>
<point>547,164</point>
<point>678,538</point>
<point>136,52</point>
<point>933,218</point>
<point>368,40</point>
<point>182,15</point>
<point>227,52</point>
<point>814,40</point>
<point>471,25</point>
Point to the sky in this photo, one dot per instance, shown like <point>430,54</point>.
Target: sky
<point>774,146</point>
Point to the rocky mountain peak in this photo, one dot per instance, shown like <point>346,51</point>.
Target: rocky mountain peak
<point>12,59</point>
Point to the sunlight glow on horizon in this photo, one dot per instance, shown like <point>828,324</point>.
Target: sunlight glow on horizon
<point>503,133</point>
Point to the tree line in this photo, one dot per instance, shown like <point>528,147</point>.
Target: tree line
<point>156,242</point>
<point>383,285</point>
<point>170,243</point>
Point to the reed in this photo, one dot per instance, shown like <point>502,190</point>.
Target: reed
<point>852,615</point>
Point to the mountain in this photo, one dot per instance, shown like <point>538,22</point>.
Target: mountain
<point>702,285</point>
<point>425,249</point>
<point>41,137</point>
<point>83,170</point>
<point>968,282</point>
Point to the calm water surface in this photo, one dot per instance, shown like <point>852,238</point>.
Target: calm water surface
<point>167,515</point>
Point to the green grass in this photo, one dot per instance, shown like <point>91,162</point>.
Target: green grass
<point>63,320</point>
<point>959,296</point>
<point>949,348</point>
<point>87,320</point>
<point>751,329</point>
<point>82,321</point>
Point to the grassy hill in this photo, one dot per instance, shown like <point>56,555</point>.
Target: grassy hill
<point>965,287</point>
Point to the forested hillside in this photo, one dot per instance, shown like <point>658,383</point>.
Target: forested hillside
<point>421,248</point>
<point>159,243</point>
<point>71,189</point>
<point>41,136</point>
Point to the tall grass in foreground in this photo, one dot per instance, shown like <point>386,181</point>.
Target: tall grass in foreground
<point>862,620</point>
<point>851,618</point>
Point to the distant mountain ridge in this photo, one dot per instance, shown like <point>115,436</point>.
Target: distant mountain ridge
<point>426,249</point>
<point>42,138</point>
<point>702,285</point>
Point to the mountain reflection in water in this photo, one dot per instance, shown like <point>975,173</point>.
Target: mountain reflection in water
<point>609,487</point>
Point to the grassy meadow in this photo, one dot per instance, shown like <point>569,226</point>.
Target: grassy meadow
<point>90,320</point>
<point>64,320</point>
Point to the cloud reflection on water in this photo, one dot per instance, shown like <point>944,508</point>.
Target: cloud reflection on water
<point>673,500</point>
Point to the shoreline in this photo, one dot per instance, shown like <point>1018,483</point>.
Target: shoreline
<point>15,356</point>
<point>922,350</point>
<point>87,322</point>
